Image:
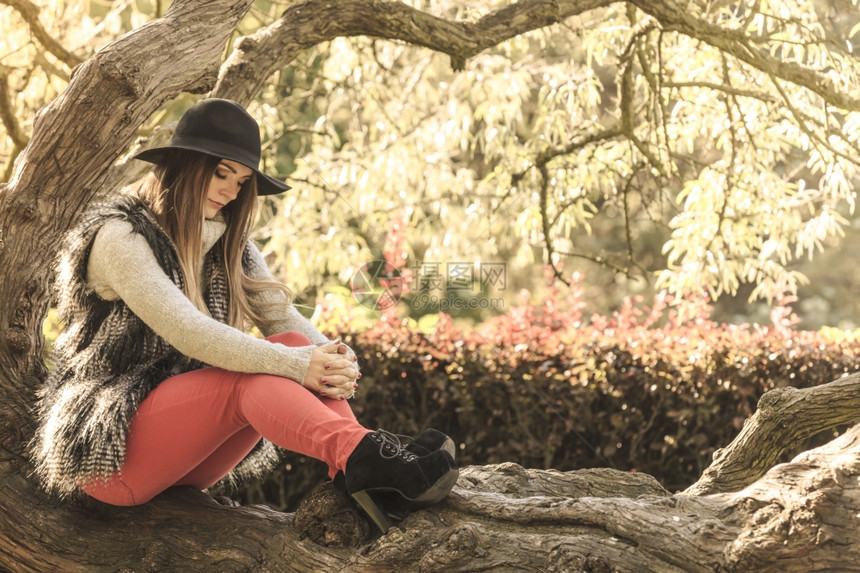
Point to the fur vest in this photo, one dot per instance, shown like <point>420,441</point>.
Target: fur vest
<point>107,360</point>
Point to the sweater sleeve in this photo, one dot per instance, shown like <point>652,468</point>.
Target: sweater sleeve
<point>121,265</point>
<point>281,315</point>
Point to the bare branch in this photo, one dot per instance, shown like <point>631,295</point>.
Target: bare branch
<point>7,112</point>
<point>579,143</point>
<point>801,120</point>
<point>628,231</point>
<point>730,170</point>
<point>674,17</point>
<point>30,13</point>
<point>10,123</point>
<point>728,89</point>
<point>545,226</point>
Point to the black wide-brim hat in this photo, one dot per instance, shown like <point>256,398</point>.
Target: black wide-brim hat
<point>222,128</point>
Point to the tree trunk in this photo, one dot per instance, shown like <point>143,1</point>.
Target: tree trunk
<point>799,516</point>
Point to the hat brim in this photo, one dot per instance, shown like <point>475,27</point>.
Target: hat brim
<point>265,185</point>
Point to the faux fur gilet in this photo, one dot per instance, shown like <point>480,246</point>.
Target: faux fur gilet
<point>108,360</point>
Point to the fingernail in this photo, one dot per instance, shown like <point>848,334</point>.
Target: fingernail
<point>324,380</point>
<point>326,366</point>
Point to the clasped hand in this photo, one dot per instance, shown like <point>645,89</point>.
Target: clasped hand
<point>333,371</point>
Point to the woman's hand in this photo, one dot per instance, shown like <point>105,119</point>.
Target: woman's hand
<point>333,371</point>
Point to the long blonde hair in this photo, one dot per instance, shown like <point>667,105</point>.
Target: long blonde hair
<point>175,193</point>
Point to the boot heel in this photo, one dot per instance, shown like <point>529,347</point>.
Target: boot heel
<point>378,515</point>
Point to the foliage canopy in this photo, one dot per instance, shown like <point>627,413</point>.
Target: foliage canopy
<point>727,130</point>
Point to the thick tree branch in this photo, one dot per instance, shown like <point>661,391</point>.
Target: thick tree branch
<point>30,13</point>
<point>785,417</point>
<point>258,56</point>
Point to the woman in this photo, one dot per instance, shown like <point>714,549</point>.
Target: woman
<point>155,383</point>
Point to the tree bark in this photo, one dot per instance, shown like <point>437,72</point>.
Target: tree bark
<point>784,418</point>
<point>799,516</point>
<point>792,517</point>
<point>257,56</point>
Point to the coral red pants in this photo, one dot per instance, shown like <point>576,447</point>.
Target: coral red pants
<point>195,427</point>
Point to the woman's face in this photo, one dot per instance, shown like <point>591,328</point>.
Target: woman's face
<point>225,185</point>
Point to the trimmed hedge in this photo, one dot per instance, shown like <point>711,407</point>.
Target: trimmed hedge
<point>652,389</point>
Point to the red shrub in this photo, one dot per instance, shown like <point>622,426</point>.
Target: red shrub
<point>652,389</point>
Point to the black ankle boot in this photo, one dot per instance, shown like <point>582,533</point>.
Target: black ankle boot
<point>379,465</point>
<point>424,443</point>
<point>431,440</point>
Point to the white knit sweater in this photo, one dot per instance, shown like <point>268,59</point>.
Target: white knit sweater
<point>122,266</point>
